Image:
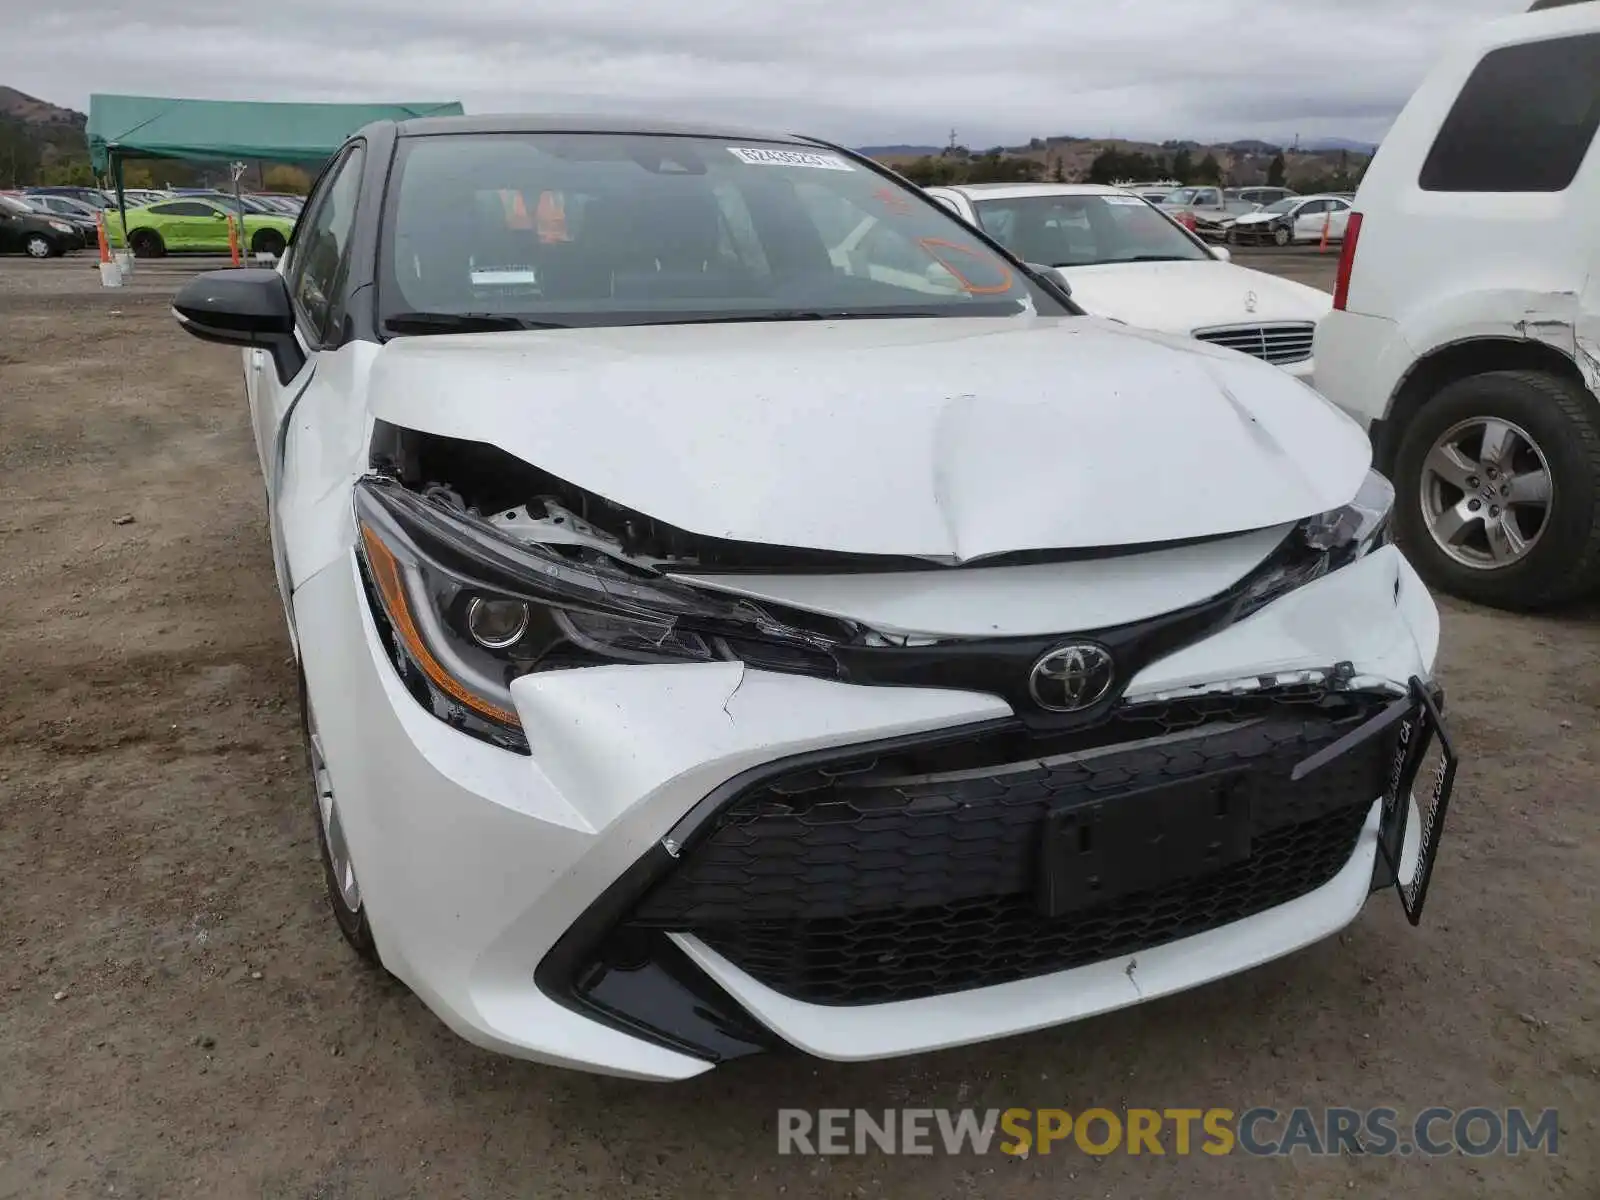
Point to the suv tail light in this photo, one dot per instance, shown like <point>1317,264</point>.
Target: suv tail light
<point>1347,262</point>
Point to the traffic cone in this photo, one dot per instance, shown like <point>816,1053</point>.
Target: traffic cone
<point>552,218</point>
<point>1327,228</point>
<point>110,272</point>
<point>233,240</point>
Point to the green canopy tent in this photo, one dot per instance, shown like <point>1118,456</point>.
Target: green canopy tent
<point>160,127</point>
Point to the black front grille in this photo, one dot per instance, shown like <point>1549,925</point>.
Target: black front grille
<point>913,873</point>
<point>876,956</point>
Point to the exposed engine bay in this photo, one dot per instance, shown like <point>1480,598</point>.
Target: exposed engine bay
<point>535,506</point>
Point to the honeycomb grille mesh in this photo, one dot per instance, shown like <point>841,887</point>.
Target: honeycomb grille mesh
<point>911,875</point>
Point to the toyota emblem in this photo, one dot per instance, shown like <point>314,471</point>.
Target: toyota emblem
<point>1072,678</point>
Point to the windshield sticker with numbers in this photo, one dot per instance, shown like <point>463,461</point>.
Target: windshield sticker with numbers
<point>771,156</point>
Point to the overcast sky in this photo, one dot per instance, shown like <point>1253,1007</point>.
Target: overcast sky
<point>857,71</point>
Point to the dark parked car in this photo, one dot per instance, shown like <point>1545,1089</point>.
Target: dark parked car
<point>79,215</point>
<point>93,197</point>
<point>24,231</point>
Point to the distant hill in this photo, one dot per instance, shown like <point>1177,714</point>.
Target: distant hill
<point>30,110</point>
<point>36,135</point>
<point>1323,145</point>
<point>897,151</point>
<point>1251,146</point>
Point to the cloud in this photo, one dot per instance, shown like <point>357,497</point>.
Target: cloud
<point>884,71</point>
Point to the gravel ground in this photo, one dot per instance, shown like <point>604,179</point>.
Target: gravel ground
<point>178,1016</point>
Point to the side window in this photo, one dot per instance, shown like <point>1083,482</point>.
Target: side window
<point>1524,121</point>
<point>1314,208</point>
<point>998,222</point>
<point>321,242</point>
<point>180,208</point>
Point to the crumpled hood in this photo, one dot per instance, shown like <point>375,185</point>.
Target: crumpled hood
<point>949,439</point>
<point>1180,297</point>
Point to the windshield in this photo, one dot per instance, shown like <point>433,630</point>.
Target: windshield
<point>1082,230</point>
<point>1181,196</point>
<point>12,205</point>
<point>620,229</point>
<point>1282,206</point>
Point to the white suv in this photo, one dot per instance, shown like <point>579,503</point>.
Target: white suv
<point>1466,329</point>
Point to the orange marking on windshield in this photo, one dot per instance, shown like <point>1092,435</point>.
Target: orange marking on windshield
<point>894,201</point>
<point>972,289</point>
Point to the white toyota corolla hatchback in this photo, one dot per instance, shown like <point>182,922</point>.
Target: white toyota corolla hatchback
<point>709,646</point>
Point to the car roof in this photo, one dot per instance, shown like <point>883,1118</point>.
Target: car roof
<point>582,123</point>
<point>1014,191</point>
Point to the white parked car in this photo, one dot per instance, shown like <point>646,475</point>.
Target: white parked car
<point>1292,220</point>
<point>708,648</point>
<point>1125,259</point>
<point>1467,334</point>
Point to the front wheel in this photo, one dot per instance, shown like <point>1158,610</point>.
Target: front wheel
<point>338,870</point>
<point>39,246</point>
<point>1497,484</point>
<point>268,241</point>
<point>146,243</point>
<point>1283,235</point>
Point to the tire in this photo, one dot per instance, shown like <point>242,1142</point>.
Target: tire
<point>36,245</point>
<point>268,241</point>
<point>351,918</point>
<point>1283,235</point>
<point>1549,429</point>
<point>146,243</point>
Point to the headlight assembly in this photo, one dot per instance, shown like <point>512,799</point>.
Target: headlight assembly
<point>467,609</point>
<point>464,608</point>
<point>1353,530</point>
<point>1324,543</point>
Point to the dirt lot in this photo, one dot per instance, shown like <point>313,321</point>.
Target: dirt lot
<point>178,1017</point>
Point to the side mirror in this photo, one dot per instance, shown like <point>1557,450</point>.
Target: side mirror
<point>1222,254</point>
<point>1056,276</point>
<point>246,306</point>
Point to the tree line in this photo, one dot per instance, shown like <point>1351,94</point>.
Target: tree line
<point>959,165</point>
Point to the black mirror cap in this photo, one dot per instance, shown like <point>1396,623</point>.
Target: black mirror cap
<point>242,306</point>
<point>1053,277</point>
<point>250,302</point>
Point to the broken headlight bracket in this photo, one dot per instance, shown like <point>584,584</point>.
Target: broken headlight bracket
<point>1420,721</point>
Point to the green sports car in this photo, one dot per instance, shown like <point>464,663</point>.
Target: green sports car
<point>196,224</point>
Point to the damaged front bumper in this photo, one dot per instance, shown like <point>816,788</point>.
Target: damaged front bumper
<point>528,900</point>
